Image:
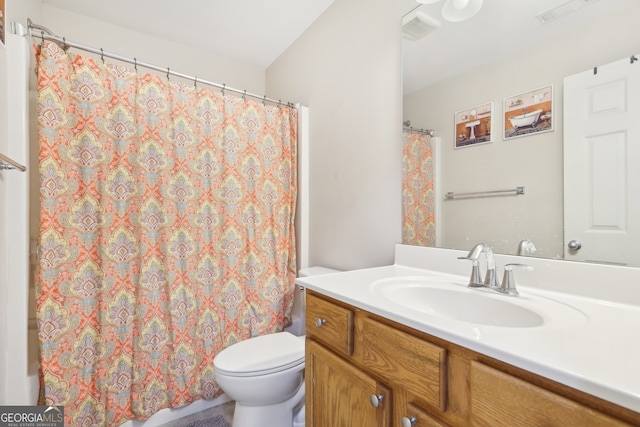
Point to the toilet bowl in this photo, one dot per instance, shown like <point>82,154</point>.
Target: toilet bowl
<point>265,376</point>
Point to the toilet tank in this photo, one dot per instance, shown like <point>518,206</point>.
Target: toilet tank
<point>298,313</point>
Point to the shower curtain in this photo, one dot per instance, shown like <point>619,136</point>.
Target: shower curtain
<point>418,202</point>
<point>166,235</point>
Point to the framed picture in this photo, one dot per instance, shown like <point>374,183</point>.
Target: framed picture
<point>528,113</point>
<point>473,125</point>
<point>3,23</point>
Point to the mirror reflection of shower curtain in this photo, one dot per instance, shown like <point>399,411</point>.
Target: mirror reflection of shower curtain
<point>418,192</point>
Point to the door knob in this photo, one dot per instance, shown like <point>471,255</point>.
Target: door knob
<point>574,245</point>
<point>320,322</point>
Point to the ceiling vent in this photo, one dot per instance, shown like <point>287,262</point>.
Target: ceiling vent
<point>563,10</point>
<point>417,25</point>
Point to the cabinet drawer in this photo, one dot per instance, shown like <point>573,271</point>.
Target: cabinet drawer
<point>330,324</point>
<point>409,362</point>
<point>498,398</point>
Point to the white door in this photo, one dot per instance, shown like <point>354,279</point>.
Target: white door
<point>602,164</point>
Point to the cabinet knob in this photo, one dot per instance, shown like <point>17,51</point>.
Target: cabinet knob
<point>376,400</point>
<point>408,422</point>
<point>320,322</point>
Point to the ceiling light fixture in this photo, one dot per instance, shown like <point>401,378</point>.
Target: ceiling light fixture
<point>457,10</point>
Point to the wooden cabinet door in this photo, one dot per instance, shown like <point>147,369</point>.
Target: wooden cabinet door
<point>411,363</point>
<point>498,398</point>
<point>339,394</point>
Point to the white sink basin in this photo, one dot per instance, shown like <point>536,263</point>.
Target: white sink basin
<point>438,297</point>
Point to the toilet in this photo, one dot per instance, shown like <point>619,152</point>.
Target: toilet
<point>265,374</point>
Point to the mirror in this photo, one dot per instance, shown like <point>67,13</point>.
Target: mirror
<point>504,51</point>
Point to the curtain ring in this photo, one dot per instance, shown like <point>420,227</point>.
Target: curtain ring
<point>102,55</point>
<point>244,96</point>
<point>168,71</point>
<point>64,44</point>
<point>42,38</point>
<point>135,64</point>
<point>223,86</point>
<point>264,100</point>
<point>195,83</point>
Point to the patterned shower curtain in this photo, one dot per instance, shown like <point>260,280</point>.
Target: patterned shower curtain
<point>418,204</point>
<point>166,235</point>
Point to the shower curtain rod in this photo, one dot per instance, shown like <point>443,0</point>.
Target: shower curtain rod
<point>46,34</point>
<point>422,131</point>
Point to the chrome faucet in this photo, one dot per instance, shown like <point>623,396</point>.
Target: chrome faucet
<point>490,279</point>
<point>508,286</point>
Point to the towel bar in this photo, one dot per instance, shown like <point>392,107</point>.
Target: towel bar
<point>7,163</point>
<point>452,196</point>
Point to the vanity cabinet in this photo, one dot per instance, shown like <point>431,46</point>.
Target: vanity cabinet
<point>362,371</point>
<point>365,370</point>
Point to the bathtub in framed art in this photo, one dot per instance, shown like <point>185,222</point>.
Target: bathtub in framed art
<point>528,113</point>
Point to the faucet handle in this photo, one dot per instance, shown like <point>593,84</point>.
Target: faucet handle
<point>508,282</point>
<point>474,281</point>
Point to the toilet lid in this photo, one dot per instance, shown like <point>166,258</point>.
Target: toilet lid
<point>261,355</point>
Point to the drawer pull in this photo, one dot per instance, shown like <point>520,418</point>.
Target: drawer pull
<point>408,422</point>
<point>320,322</point>
<point>376,400</point>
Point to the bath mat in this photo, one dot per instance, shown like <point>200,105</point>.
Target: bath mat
<point>219,416</point>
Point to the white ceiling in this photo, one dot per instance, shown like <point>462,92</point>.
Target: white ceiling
<point>251,31</point>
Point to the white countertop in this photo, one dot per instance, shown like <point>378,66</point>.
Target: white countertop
<point>591,344</point>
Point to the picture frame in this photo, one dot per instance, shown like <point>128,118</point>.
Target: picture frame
<point>472,126</point>
<point>528,113</point>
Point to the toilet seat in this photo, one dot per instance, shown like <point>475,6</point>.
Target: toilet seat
<point>261,355</point>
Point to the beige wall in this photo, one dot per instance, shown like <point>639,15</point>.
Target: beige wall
<point>347,69</point>
<point>534,162</point>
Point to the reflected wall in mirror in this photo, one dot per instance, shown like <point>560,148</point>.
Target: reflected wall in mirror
<point>502,51</point>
